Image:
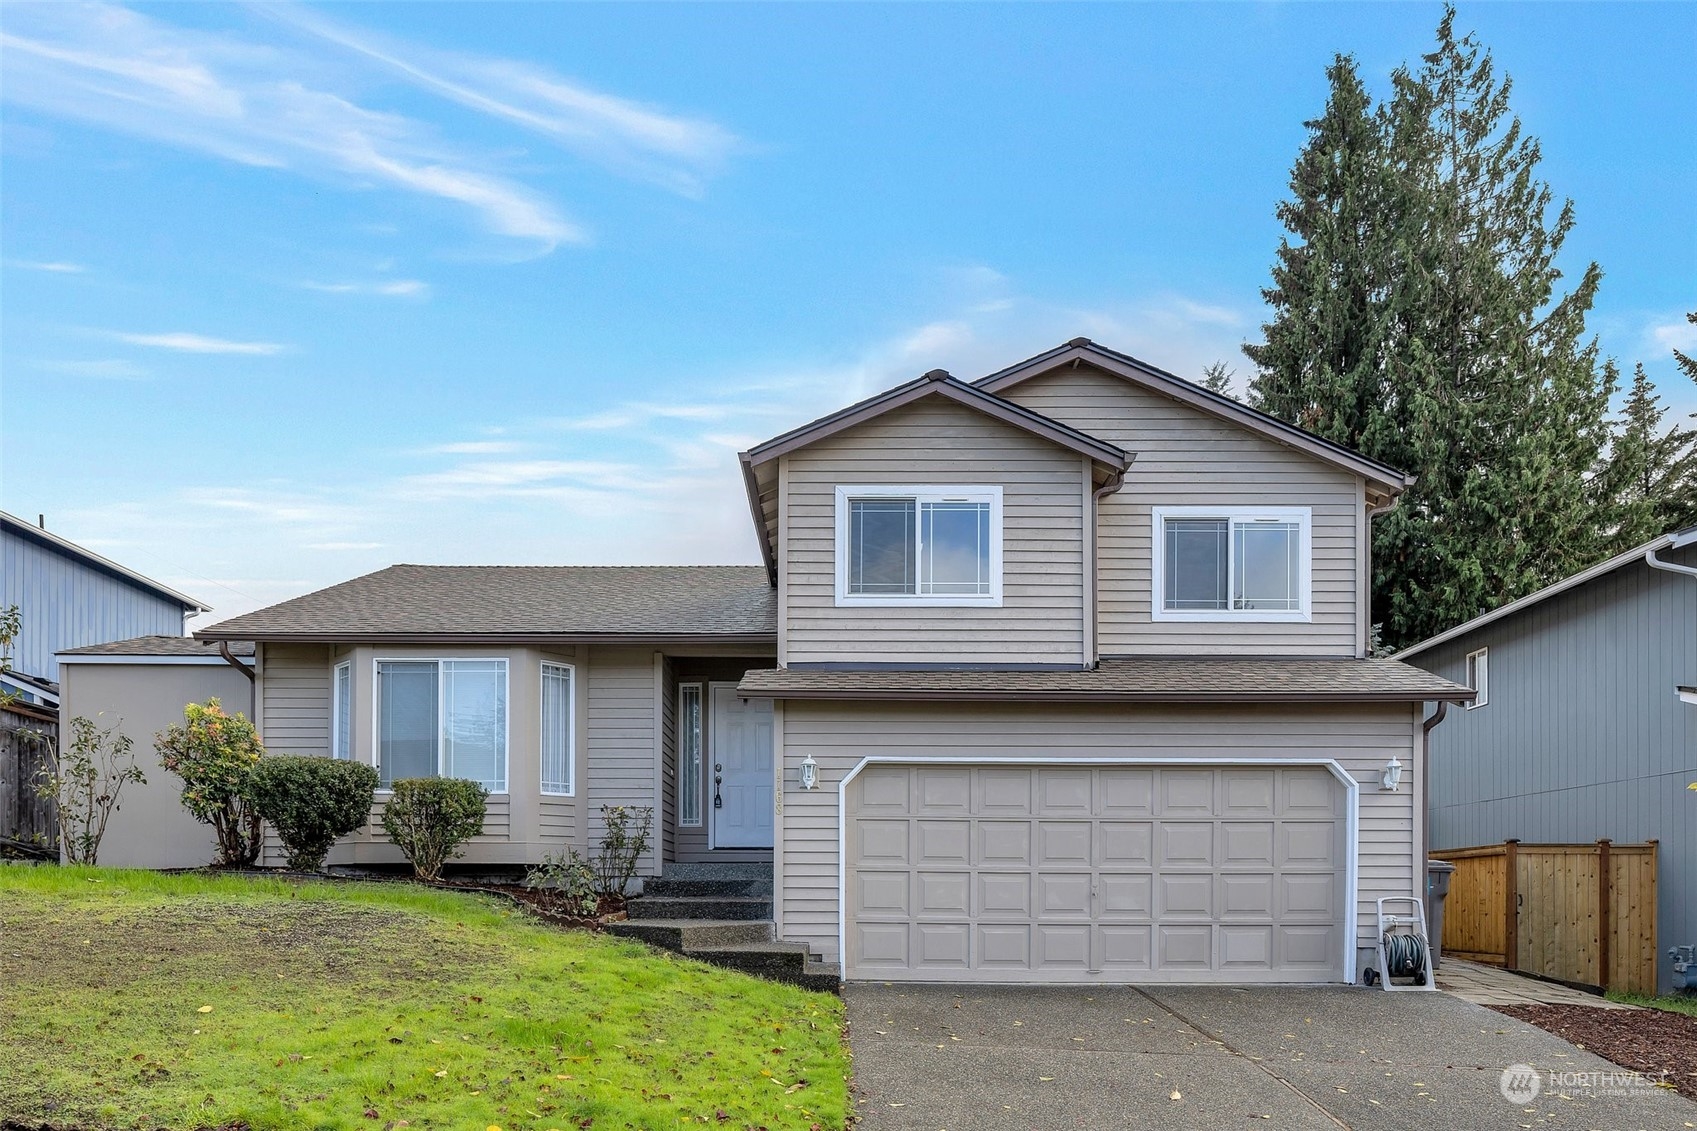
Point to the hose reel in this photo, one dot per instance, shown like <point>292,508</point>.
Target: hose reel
<point>1405,955</point>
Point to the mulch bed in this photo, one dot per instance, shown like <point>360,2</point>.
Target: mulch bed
<point>540,904</point>
<point>1646,1040</point>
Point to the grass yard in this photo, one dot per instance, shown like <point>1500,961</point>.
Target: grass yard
<point>132,999</point>
<point>1673,1003</point>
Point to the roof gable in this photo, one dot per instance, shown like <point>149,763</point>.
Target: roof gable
<point>1389,481</point>
<point>88,558</point>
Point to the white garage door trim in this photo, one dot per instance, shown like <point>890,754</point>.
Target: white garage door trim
<point>1352,821</point>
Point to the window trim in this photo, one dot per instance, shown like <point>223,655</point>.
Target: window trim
<point>1302,516</point>
<point>700,690</point>
<point>341,713</point>
<point>1479,677</point>
<point>926,493</point>
<point>541,735</point>
<point>507,730</point>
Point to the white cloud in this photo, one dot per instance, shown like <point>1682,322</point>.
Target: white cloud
<point>248,103</point>
<point>199,343</point>
<point>57,268</point>
<point>473,448</point>
<point>106,369</point>
<point>1675,335</point>
<point>398,288</point>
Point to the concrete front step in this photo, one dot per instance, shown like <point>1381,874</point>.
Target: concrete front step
<point>747,887</point>
<point>682,934</point>
<point>719,870</point>
<point>650,907</point>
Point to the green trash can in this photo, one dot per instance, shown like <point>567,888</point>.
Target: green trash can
<point>1438,873</point>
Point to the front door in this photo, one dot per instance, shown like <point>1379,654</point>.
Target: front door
<point>741,753</point>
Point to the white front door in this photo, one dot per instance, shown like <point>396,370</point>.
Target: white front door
<point>741,752</point>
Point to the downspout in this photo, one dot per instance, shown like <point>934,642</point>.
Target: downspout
<point>229,658</point>
<point>1426,725</point>
<point>1651,560</point>
<point>1113,484</point>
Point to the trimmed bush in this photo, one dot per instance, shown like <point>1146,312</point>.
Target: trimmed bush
<point>429,818</point>
<point>214,753</point>
<point>312,802</point>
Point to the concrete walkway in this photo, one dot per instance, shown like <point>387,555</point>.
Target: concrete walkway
<point>1313,1058</point>
<point>1492,985</point>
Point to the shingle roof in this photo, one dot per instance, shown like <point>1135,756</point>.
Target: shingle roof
<point>159,646</point>
<point>504,602</point>
<point>1155,680</point>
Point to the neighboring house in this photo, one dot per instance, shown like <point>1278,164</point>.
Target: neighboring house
<point>1585,724</point>
<point>68,597</point>
<point>1060,676</point>
<point>139,687</point>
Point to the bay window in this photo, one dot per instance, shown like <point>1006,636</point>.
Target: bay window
<point>341,713</point>
<point>1231,564</point>
<point>442,718</point>
<point>557,732</point>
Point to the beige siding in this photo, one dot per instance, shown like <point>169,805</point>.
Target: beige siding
<point>666,819</point>
<point>939,442</point>
<point>622,716</point>
<point>840,735</point>
<point>1186,457</point>
<point>296,700</point>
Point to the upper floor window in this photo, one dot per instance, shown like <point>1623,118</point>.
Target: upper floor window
<point>1212,563</point>
<point>919,545</point>
<point>442,718</point>
<point>1479,676</point>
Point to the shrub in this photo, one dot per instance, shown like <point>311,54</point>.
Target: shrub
<point>429,818</point>
<point>214,753</point>
<point>624,839</point>
<point>312,802</point>
<point>567,884</point>
<point>85,778</point>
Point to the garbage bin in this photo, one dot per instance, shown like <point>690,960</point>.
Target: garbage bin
<point>1438,874</point>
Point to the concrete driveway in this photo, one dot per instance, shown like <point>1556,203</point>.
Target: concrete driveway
<point>948,1058</point>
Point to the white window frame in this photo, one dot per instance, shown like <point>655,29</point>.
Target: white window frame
<point>542,734</point>
<point>927,493</point>
<point>340,706</point>
<point>507,731</point>
<point>1476,671</point>
<point>1303,516</point>
<point>685,822</point>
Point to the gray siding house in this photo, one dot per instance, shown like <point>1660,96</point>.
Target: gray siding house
<point>70,597</point>
<point>1056,676</point>
<point>1585,724</point>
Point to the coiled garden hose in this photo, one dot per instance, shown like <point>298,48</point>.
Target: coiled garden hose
<point>1405,955</point>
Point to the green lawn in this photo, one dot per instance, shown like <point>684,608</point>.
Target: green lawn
<point>1673,1003</point>
<point>132,999</point>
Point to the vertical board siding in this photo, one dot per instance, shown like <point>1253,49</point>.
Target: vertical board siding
<point>939,442</point>
<point>840,735</point>
<point>65,603</point>
<point>622,739</point>
<point>1584,737</point>
<point>1185,457</point>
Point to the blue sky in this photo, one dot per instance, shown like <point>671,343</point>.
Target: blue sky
<point>291,293</point>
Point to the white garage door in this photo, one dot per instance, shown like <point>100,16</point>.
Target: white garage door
<point>1021,873</point>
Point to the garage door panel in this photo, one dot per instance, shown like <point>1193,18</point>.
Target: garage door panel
<point>1246,844</point>
<point>1125,792</point>
<point>1072,873</point>
<point>1127,896</point>
<point>945,893</point>
<point>1003,894</point>
<point>1125,844</point>
<point>1186,844</point>
<point>1063,894</point>
<point>1063,844</point>
<point>942,843</point>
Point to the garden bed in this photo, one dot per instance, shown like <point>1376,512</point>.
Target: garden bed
<point>1651,1041</point>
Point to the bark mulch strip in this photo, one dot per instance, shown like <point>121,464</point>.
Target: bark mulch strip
<point>1651,1041</point>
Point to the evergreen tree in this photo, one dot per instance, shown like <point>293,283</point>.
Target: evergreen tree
<point>1216,378</point>
<point>1417,319</point>
<point>1651,476</point>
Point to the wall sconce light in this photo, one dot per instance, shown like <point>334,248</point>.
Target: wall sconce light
<point>1393,774</point>
<point>809,773</point>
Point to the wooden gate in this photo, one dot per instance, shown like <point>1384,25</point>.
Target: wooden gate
<point>1584,914</point>
<point>28,821</point>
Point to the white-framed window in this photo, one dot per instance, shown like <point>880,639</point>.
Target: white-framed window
<point>924,546</point>
<point>341,716</point>
<point>689,755</point>
<point>1479,676</point>
<point>1232,563</point>
<point>442,718</point>
<point>558,729</point>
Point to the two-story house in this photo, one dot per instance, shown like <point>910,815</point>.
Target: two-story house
<point>1057,676</point>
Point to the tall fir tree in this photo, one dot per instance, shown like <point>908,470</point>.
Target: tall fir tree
<point>1417,319</point>
<point>1217,378</point>
<point>1651,475</point>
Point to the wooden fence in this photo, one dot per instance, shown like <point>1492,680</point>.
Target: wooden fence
<point>27,820</point>
<point>1584,914</point>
